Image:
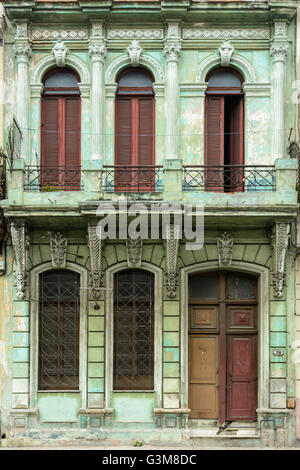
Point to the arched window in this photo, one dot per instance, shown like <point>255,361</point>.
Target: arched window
<point>224,130</point>
<point>59,313</point>
<point>134,121</point>
<point>133,330</point>
<point>61,109</point>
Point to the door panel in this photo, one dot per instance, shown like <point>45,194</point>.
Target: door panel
<point>203,376</point>
<point>241,377</point>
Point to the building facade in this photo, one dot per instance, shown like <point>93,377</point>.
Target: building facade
<point>118,111</point>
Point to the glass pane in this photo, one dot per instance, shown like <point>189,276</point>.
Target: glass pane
<point>240,287</point>
<point>204,286</point>
<point>135,78</point>
<point>224,79</point>
<point>61,79</point>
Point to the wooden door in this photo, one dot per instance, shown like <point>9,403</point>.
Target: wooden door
<point>203,376</point>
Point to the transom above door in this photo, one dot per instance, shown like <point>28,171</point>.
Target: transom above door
<point>223,346</point>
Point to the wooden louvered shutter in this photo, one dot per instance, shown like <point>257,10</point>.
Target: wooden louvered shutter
<point>146,144</point>
<point>214,142</point>
<point>72,143</point>
<point>236,129</point>
<point>123,142</point>
<point>50,141</point>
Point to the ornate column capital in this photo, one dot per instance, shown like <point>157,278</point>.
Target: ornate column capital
<point>278,51</point>
<point>22,52</point>
<point>97,52</point>
<point>172,52</point>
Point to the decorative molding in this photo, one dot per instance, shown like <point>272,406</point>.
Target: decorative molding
<point>22,52</point>
<point>226,50</point>
<point>134,51</point>
<point>19,247</point>
<point>134,248</point>
<point>135,34</point>
<point>279,238</point>
<point>121,61</point>
<point>172,247</point>
<point>280,30</point>
<point>44,34</point>
<point>97,52</point>
<point>22,30</point>
<point>278,51</point>
<point>96,247</point>
<point>49,61</point>
<point>237,60</point>
<point>173,31</point>
<point>97,30</point>
<point>225,245</point>
<point>227,34</point>
<point>60,51</point>
<point>58,250</point>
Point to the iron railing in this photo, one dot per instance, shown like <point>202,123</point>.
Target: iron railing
<point>119,178</point>
<point>229,178</point>
<point>52,179</point>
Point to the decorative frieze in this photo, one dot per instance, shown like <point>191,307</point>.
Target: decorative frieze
<point>135,34</point>
<point>19,247</point>
<point>60,51</point>
<point>226,50</point>
<point>225,245</point>
<point>134,248</point>
<point>227,34</point>
<point>96,246</point>
<point>172,247</point>
<point>58,250</point>
<point>280,238</point>
<point>44,34</point>
<point>134,51</point>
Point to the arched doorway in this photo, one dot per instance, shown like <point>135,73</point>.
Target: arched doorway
<point>223,346</point>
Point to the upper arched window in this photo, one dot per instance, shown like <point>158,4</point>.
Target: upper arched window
<point>61,109</point>
<point>134,118</point>
<point>224,130</point>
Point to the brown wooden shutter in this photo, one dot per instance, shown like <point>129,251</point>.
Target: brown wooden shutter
<point>214,142</point>
<point>72,143</point>
<point>236,129</point>
<point>50,133</point>
<point>146,132</point>
<point>124,131</point>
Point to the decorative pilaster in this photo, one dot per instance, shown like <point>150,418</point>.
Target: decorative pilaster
<point>134,248</point>
<point>278,52</point>
<point>58,250</point>
<point>22,51</point>
<point>280,238</point>
<point>96,246</point>
<point>225,245</point>
<point>172,247</point>
<point>19,247</point>
<point>172,53</point>
<point>97,52</point>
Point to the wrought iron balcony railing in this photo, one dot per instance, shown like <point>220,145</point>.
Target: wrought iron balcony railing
<point>229,178</point>
<point>118,178</point>
<point>52,179</point>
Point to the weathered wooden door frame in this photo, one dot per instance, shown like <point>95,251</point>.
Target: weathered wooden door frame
<point>263,323</point>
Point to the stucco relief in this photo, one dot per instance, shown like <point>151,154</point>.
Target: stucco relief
<point>207,33</point>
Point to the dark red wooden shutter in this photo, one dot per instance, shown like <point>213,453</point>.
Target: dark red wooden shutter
<point>124,131</point>
<point>50,133</point>
<point>236,129</point>
<point>214,141</point>
<point>146,132</point>
<point>72,143</point>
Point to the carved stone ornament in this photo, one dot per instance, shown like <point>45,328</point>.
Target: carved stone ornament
<point>226,34</point>
<point>172,52</point>
<point>96,246</point>
<point>97,52</point>
<point>19,247</point>
<point>225,245</point>
<point>172,247</point>
<point>279,51</point>
<point>134,248</point>
<point>60,51</point>
<point>226,50</point>
<point>58,250</point>
<point>22,52</point>
<point>134,50</point>
<point>280,240</point>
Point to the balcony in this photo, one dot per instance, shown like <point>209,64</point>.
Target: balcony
<point>139,179</point>
<point>52,179</point>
